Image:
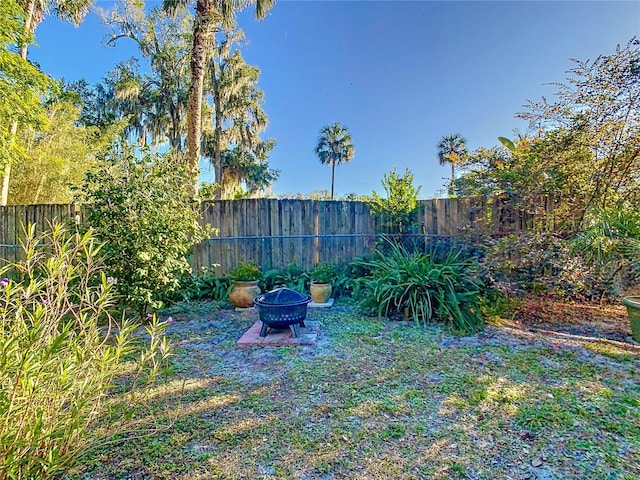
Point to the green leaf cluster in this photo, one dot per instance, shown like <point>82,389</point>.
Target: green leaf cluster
<point>22,85</point>
<point>611,240</point>
<point>139,207</point>
<point>400,203</point>
<point>290,276</point>
<point>323,273</point>
<point>245,272</point>
<point>57,155</point>
<point>60,357</point>
<point>425,288</point>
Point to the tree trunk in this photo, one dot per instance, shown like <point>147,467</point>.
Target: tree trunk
<point>217,135</point>
<point>6,173</point>
<point>29,27</point>
<point>202,33</point>
<point>175,134</point>
<point>333,175</point>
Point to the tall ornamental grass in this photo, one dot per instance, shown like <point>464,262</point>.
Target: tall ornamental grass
<point>424,287</point>
<point>61,352</point>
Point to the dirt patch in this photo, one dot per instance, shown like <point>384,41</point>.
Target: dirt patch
<point>383,399</point>
<point>206,335</point>
<point>582,319</point>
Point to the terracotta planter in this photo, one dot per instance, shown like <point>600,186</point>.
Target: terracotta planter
<point>243,293</point>
<point>320,292</point>
<point>633,309</point>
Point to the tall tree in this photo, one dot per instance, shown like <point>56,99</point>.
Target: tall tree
<point>597,109</point>
<point>244,168</point>
<point>582,150</point>
<point>231,133</point>
<point>34,13</point>
<point>22,86</point>
<point>334,147</point>
<point>57,155</point>
<point>452,149</point>
<point>153,102</point>
<point>209,16</point>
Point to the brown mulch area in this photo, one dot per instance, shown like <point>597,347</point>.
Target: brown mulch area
<point>606,321</point>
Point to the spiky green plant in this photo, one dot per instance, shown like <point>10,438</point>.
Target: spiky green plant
<point>611,242</point>
<point>425,288</point>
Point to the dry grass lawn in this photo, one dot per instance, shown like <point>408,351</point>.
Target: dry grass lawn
<point>552,392</point>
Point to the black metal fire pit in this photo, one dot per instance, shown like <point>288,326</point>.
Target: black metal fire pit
<point>282,308</point>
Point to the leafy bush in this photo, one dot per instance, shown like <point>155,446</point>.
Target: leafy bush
<point>245,272</point>
<point>205,285</point>
<point>400,203</point>
<point>541,262</point>
<point>610,243</point>
<point>61,351</point>
<point>345,279</point>
<point>424,288</point>
<point>349,278</point>
<point>291,277</point>
<point>140,209</point>
<point>323,273</point>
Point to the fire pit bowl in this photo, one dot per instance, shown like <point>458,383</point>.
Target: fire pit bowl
<point>281,308</point>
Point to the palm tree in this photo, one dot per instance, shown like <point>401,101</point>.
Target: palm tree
<point>209,16</point>
<point>334,148</point>
<point>34,13</point>
<point>243,167</point>
<point>237,119</point>
<point>452,149</point>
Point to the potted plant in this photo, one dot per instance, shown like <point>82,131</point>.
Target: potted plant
<point>322,277</point>
<point>244,284</point>
<point>612,240</point>
<point>633,310</point>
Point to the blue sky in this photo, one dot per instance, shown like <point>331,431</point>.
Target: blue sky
<point>399,75</point>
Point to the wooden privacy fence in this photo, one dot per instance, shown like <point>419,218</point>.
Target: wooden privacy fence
<point>14,220</point>
<point>275,233</point>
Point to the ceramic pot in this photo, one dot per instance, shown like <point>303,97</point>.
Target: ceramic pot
<point>320,292</point>
<point>243,293</point>
<point>633,309</point>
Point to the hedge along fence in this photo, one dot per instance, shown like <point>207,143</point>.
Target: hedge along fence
<point>275,233</point>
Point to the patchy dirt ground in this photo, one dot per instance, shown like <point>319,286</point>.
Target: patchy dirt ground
<point>207,327</point>
<point>552,392</point>
<point>535,321</point>
<point>589,320</point>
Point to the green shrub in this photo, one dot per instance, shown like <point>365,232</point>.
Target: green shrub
<point>400,204</point>
<point>610,243</point>
<point>291,277</point>
<point>323,273</point>
<point>61,352</point>
<point>205,285</point>
<point>424,288</point>
<point>349,278</point>
<point>542,262</point>
<point>245,272</point>
<point>140,209</point>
